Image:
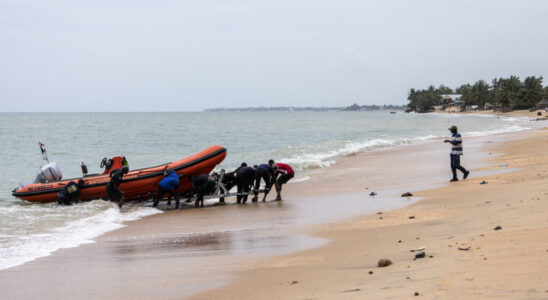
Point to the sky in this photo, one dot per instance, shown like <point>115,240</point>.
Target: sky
<point>164,55</point>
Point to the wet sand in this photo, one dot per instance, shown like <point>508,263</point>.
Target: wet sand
<point>243,250</point>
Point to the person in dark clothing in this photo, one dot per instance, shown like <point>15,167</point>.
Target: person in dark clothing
<point>202,185</point>
<point>113,191</point>
<point>263,171</point>
<point>244,180</point>
<point>70,193</point>
<point>229,180</point>
<point>169,184</point>
<point>456,152</point>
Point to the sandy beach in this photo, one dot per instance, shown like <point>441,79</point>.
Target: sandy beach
<point>325,239</point>
<point>466,255</point>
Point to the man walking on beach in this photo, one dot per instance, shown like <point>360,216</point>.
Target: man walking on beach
<point>456,152</point>
<point>113,190</point>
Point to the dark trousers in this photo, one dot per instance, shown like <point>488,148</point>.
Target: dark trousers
<point>266,177</point>
<point>243,188</point>
<point>63,200</point>
<point>161,193</point>
<point>455,165</point>
<point>207,188</point>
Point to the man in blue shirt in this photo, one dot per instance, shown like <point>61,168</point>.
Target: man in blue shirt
<point>456,152</point>
<point>169,184</point>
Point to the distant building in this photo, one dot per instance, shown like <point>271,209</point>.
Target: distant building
<point>488,106</point>
<point>543,104</point>
<point>451,98</point>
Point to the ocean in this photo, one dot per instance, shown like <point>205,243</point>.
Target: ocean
<point>305,140</point>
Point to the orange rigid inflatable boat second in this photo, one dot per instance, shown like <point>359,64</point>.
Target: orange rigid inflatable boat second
<point>135,184</point>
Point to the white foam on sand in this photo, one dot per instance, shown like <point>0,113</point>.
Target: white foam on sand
<point>17,249</point>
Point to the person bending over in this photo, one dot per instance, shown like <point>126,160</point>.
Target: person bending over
<point>285,173</point>
<point>70,193</point>
<point>244,180</point>
<point>169,184</point>
<point>202,185</point>
<point>263,171</point>
<point>113,186</point>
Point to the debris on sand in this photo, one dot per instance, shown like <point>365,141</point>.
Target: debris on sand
<point>421,254</point>
<point>483,182</point>
<point>417,250</point>
<point>497,228</point>
<point>464,249</point>
<point>408,194</point>
<point>352,290</point>
<point>372,194</point>
<point>411,217</point>
<point>293,282</point>
<point>384,263</point>
<point>417,293</point>
<point>370,272</point>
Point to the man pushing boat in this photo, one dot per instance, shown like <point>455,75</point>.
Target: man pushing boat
<point>113,190</point>
<point>70,193</point>
<point>169,184</point>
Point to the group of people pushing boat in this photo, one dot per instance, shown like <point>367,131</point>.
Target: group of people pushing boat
<point>245,178</point>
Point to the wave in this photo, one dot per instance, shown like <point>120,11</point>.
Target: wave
<point>307,160</point>
<point>18,248</point>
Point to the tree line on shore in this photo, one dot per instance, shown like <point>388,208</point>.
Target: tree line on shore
<point>504,94</point>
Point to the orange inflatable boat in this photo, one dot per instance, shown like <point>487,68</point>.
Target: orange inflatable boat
<point>136,184</point>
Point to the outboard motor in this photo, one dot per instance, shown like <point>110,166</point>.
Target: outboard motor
<point>49,172</point>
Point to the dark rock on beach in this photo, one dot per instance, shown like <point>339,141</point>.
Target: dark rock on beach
<point>372,194</point>
<point>497,228</point>
<point>384,263</point>
<point>421,254</point>
<point>408,194</point>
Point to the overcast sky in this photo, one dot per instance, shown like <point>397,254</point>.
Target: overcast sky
<point>164,55</point>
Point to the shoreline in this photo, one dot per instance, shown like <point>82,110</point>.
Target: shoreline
<point>345,171</point>
<point>346,267</point>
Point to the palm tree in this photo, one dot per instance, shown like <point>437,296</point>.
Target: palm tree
<point>480,93</point>
<point>412,96</point>
<point>466,95</point>
<point>507,93</point>
<point>531,93</point>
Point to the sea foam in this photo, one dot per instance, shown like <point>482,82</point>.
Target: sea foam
<point>18,248</point>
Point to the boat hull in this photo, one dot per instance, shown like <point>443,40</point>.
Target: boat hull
<point>135,184</point>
